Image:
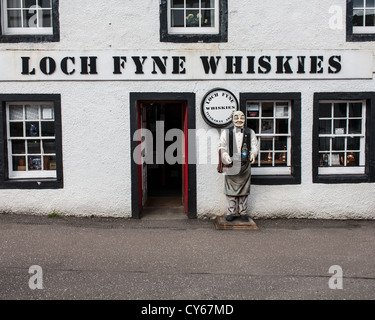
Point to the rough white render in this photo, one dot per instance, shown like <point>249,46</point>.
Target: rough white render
<point>95,115</point>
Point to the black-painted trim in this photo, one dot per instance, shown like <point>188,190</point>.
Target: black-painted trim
<point>295,98</point>
<point>222,36</point>
<point>55,37</point>
<point>369,175</point>
<point>189,98</point>
<point>5,182</point>
<point>350,36</point>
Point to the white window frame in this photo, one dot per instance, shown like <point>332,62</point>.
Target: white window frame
<point>256,168</point>
<point>363,29</point>
<point>24,30</point>
<point>193,30</point>
<point>331,170</point>
<point>29,174</point>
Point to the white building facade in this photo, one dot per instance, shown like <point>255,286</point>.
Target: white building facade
<point>80,78</point>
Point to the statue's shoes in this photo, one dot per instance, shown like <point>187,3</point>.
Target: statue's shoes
<point>229,217</point>
<point>244,217</point>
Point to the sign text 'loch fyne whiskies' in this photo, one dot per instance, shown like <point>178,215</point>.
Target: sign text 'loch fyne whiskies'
<point>184,65</point>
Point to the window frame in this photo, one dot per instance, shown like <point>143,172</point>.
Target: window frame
<point>50,34</point>
<point>340,176</point>
<point>220,35</point>
<point>293,176</point>
<point>31,182</point>
<point>354,34</point>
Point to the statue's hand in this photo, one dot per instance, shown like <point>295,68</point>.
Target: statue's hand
<point>252,158</point>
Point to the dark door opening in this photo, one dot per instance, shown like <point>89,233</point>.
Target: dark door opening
<point>163,183</point>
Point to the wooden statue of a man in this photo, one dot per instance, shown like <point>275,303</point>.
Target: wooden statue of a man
<point>238,145</point>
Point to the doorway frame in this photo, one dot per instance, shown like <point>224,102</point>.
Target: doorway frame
<point>165,97</point>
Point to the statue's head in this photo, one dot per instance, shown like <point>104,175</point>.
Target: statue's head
<point>238,119</point>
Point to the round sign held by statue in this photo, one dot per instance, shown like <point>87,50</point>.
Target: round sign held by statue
<point>218,106</point>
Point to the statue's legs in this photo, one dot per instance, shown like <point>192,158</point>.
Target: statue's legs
<point>242,205</point>
<point>231,205</point>
<point>237,204</point>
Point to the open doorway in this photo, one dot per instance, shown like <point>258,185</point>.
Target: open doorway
<point>163,183</point>
<point>183,104</point>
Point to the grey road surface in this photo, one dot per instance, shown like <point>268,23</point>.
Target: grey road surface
<point>167,259</point>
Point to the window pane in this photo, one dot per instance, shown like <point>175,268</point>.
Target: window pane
<point>337,159</point>
<point>358,18</point>
<point>282,126</point>
<point>49,163</point>
<point>340,110</point>
<point>192,18</point>
<point>252,109</point>
<point>353,143</point>
<point>18,147</point>
<point>267,109</point>
<point>16,129</point>
<point>47,112</point>
<point>338,143</point>
<point>324,144</point>
<point>32,112</point>
<point>14,19</point>
<point>29,22</point>
<point>49,146</point>
<point>177,18</point>
<point>14,3</point>
<point>16,112</point>
<point>208,3</point>
<point>340,127</point>
<point>370,3</point>
<point>355,126</point>
<point>355,110</point>
<point>45,3</point>
<point>358,3</point>
<point>28,3</point>
<point>47,19</point>
<point>208,18</point>
<point>370,18</point>
<point>267,126</point>
<point>177,4</point>
<point>192,3</point>
<point>325,127</point>
<point>266,144</point>
<point>253,124</point>
<point>280,159</point>
<point>48,129</point>
<point>33,146</point>
<point>266,158</point>
<point>32,129</point>
<point>281,143</point>
<point>352,159</point>
<point>19,163</point>
<point>281,110</point>
<point>325,110</point>
<point>35,163</point>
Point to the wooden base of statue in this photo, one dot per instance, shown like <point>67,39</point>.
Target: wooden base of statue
<point>237,224</point>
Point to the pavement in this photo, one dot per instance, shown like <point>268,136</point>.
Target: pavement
<point>182,259</point>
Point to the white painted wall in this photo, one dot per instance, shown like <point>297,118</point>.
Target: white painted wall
<point>95,115</point>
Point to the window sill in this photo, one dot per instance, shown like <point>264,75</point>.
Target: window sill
<point>348,178</point>
<point>32,184</point>
<point>274,179</point>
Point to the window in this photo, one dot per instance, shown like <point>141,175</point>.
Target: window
<point>342,137</point>
<point>193,16</point>
<point>341,126</point>
<point>275,120</point>
<point>361,20</point>
<point>193,20</point>
<point>32,147</point>
<point>29,20</point>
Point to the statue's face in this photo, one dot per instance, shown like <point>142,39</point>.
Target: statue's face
<point>238,119</point>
